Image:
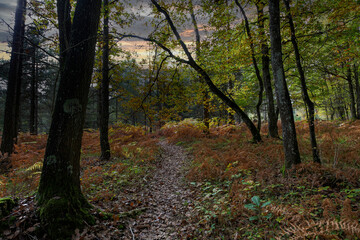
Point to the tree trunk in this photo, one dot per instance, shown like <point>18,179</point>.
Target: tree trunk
<point>257,71</point>
<point>357,88</point>
<point>64,20</point>
<point>33,96</point>
<point>307,100</point>
<point>351,94</point>
<point>266,76</point>
<point>63,208</point>
<point>206,113</point>
<point>191,62</point>
<point>205,92</point>
<point>12,104</point>
<point>292,155</point>
<point>104,108</point>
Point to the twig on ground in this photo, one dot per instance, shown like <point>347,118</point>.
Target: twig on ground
<point>132,233</point>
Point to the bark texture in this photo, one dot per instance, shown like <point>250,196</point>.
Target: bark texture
<point>64,21</point>
<point>12,104</point>
<point>292,155</point>
<point>351,94</point>
<point>63,208</point>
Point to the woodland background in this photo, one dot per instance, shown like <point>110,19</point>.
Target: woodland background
<point>201,75</point>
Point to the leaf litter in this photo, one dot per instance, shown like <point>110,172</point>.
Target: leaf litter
<point>159,207</point>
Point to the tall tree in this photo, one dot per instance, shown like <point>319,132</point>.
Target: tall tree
<point>63,208</point>
<point>12,104</point>
<point>34,93</point>
<point>292,155</point>
<point>357,90</point>
<point>351,94</point>
<point>306,97</point>
<point>104,96</point>
<point>272,116</point>
<point>206,99</point>
<point>255,64</point>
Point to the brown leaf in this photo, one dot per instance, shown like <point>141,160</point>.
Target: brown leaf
<point>31,229</point>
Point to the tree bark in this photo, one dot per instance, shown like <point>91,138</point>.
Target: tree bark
<point>63,208</point>
<point>357,88</point>
<point>292,155</point>
<point>104,104</point>
<point>272,116</point>
<point>12,104</point>
<point>351,94</point>
<point>33,97</point>
<point>307,100</point>
<point>64,21</point>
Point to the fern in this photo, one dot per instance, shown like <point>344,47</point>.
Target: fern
<point>35,168</point>
<point>323,227</point>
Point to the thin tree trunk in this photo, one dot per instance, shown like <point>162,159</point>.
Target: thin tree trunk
<point>272,116</point>
<point>33,128</point>
<point>206,105</point>
<point>307,100</point>
<point>63,208</point>
<point>351,94</point>
<point>12,104</point>
<point>357,88</point>
<point>257,71</point>
<point>104,109</point>
<point>191,62</point>
<point>292,155</point>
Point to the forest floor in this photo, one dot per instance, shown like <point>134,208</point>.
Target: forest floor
<point>167,198</point>
<point>184,183</point>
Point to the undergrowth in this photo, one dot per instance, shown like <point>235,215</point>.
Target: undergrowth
<point>245,191</point>
<point>310,201</point>
<point>133,154</point>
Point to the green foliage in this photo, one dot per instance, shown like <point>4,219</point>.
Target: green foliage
<point>257,207</point>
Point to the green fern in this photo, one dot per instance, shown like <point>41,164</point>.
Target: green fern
<point>35,168</point>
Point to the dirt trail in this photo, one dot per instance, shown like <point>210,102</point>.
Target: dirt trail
<point>167,199</point>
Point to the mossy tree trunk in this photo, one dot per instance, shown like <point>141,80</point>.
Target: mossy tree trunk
<point>62,206</point>
<point>291,149</point>
<point>12,104</point>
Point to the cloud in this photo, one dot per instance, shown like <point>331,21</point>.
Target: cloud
<point>7,9</point>
<point>6,6</point>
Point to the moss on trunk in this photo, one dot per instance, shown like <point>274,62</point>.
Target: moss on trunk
<point>62,215</point>
<point>6,205</point>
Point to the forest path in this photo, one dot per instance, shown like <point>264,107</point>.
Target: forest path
<point>169,202</point>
